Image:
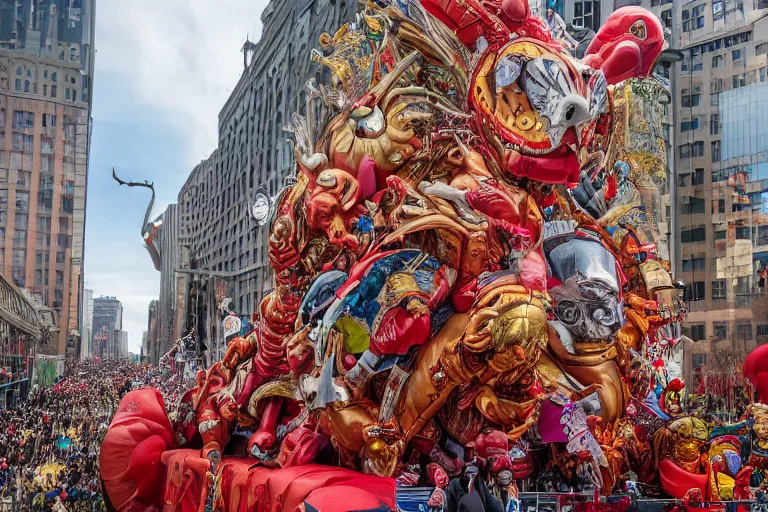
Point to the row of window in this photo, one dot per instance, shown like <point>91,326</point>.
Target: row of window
<point>696,150</point>
<point>70,94</point>
<point>23,120</point>
<point>756,233</point>
<point>43,240</point>
<point>699,122</point>
<point>696,62</point>
<point>695,291</point>
<point>698,332</point>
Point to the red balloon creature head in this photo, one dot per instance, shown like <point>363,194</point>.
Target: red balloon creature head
<point>627,45</point>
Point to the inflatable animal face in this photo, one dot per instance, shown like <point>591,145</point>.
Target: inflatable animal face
<point>535,98</point>
<point>330,206</point>
<point>585,291</point>
<point>627,44</point>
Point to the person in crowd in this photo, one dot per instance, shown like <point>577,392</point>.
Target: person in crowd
<point>49,443</point>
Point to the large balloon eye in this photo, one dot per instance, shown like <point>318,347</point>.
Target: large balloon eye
<point>507,72</point>
<point>371,125</point>
<point>638,30</point>
<point>604,316</point>
<point>568,312</point>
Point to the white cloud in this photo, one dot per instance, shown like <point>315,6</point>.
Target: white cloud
<point>180,56</point>
<point>178,59</point>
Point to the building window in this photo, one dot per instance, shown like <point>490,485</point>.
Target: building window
<point>22,222</point>
<point>693,19</point>
<point>694,264</point>
<point>693,235</point>
<point>720,237</point>
<point>718,289</point>
<point>721,330</point>
<point>689,125</point>
<point>684,180</point>
<point>23,178</point>
<point>693,205</point>
<point>22,142</point>
<point>22,119</point>
<point>714,124</point>
<point>743,331</point>
<point>698,360</point>
<point>762,330</point>
<point>49,120</point>
<point>18,85</point>
<point>694,291</point>
<point>720,175</point>
<point>691,99</point>
<point>22,202</point>
<point>46,145</point>
<point>736,55</point>
<point>586,13</point>
<point>714,99</point>
<point>717,61</point>
<point>718,206</point>
<point>698,177</point>
<point>743,285</point>
<point>20,71</point>
<point>698,332</point>
<point>59,257</point>
<point>666,18</point>
<point>53,91</point>
<point>26,85</point>
<point>739,80</point>
<point>715,150</point>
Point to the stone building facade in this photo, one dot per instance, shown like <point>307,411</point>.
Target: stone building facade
<point>220,244</point>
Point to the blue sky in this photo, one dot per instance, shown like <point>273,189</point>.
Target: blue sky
<point>163,71</point>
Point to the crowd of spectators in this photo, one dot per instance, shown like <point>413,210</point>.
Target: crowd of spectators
<point>49,443</point>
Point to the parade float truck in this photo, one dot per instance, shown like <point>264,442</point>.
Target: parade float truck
<point>469,291</point>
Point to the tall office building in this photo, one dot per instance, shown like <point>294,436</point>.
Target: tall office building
<point>722,176</point>
<point>46,70</point>
<point>86,329</point>
<point>107,326</point>
<point>123,348</point>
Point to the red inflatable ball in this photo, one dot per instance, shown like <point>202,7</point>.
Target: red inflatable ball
<point>756,371</point>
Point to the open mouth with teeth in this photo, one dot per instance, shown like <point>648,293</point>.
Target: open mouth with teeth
<point>508,87</point>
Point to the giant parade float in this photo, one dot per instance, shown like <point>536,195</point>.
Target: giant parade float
<point>470,295</point>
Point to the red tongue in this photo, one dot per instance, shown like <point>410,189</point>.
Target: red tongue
<point>569,137</point>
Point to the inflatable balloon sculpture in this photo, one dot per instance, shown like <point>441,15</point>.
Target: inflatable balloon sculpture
<point>467,269</point>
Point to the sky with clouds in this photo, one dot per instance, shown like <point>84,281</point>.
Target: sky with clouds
<point>163,71</point>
